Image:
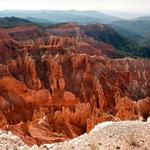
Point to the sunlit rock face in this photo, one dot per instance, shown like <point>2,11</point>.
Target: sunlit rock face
<point>51,90</point>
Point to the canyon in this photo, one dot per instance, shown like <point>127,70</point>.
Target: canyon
<point>58,83</point>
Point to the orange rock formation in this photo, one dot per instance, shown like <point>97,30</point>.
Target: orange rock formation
<point>49,93</point>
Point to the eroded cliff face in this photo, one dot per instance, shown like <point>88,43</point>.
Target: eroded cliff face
<point>7,42</point>
<point>59,84</point>
<point>69,37</point>
<point>49,98</point>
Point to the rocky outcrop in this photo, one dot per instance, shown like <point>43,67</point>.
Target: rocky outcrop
<point>24,32</point>
<point>7,42</point>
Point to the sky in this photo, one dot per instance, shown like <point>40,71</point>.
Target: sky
<point>131,6</point>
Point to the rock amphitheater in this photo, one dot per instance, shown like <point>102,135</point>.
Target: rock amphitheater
<point>59,86</point>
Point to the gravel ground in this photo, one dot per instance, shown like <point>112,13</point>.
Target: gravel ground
<point>8,141</point>
<point>127,135</point>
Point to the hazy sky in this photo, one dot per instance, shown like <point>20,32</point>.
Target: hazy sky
<point>115,5</point>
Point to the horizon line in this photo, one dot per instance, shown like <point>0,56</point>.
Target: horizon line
<point>74,10</point>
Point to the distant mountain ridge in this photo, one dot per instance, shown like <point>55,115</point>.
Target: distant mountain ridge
<point>138,30</point>
<point>58,16</point>
<point>144,18</point>
<point>39,20</point>
<point>9,22</point>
